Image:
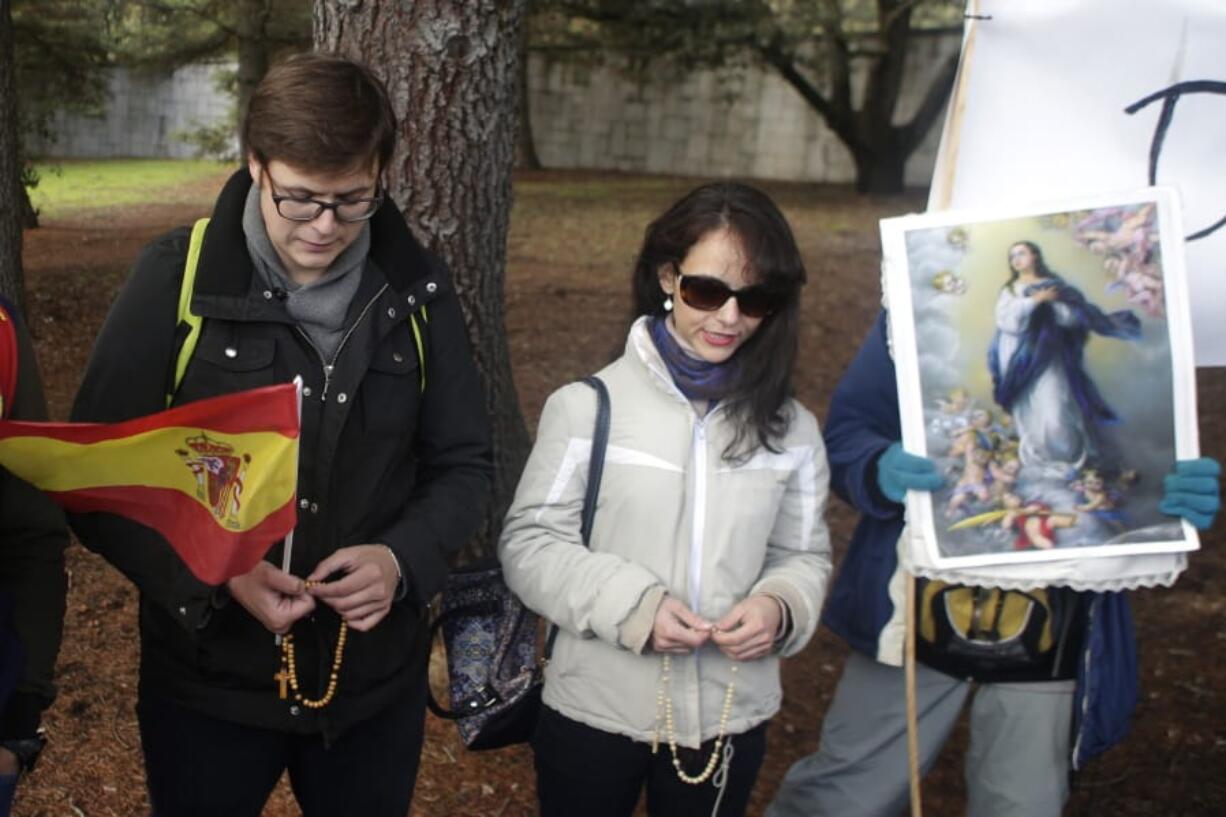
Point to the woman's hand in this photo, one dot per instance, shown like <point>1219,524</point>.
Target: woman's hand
<point>749,629</point>
<point>677,628</point>
<point>1045,295</point>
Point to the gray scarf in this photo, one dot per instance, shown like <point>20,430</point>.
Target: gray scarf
<point>319,307</point>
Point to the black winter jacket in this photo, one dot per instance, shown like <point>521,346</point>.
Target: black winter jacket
<point>33,536</point>
<point>381,462</point>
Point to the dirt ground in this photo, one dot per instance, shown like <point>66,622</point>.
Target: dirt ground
<point>571,247</point>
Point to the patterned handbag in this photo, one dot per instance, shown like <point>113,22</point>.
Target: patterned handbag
<point>494,677</point>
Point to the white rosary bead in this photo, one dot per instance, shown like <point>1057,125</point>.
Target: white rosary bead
<point>671,732</point>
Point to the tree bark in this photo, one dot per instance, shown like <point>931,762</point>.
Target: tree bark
<point>253,59</point>
<point>12,283</point>
<point>526,157</point>
<point>881,171</point>
<point>451,69</point>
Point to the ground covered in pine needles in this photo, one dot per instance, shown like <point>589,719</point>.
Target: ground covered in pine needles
<point>573,238</point>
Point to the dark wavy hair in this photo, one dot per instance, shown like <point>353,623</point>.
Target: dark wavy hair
<point>763,382</point>
<point>1040,266</point>
<point>321,112</point>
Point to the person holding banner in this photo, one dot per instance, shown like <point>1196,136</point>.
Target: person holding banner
<point>1031,721</point>
<point>32,579</point>
<point>314,661</point>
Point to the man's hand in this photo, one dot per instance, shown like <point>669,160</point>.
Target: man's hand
<point>273,596</point>
<point>363,596</point>
<point>678,629</point>
<point>9,764</point>
<point>749,629</point>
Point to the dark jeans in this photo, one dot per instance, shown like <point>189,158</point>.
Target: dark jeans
<point>581,770</point>
<point>8,787</point>
<point>199,766</point>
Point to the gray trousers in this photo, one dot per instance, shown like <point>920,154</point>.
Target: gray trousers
<point>1017,764</point>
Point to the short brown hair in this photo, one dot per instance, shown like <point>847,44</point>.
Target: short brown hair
<point>320,112</point>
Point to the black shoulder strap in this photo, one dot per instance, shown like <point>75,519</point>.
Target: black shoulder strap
<point>595,469</point>
<point>600,442</point>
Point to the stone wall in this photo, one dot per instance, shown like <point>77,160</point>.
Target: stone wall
<point>747,123</point>
<point>146,113</point>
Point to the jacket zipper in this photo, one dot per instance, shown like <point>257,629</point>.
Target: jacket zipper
<point>699,446</point>
<point>698,528</point>
<point>328,367</point>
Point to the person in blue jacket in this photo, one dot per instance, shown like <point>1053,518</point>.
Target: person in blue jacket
<point>1025,734</point>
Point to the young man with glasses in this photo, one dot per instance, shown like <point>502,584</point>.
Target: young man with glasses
<point>304,270</point>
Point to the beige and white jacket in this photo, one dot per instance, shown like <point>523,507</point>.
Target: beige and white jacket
<point>672,517</point>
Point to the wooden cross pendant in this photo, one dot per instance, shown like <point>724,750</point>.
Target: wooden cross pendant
<point>282,679</point>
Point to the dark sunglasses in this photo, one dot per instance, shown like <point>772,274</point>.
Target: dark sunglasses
<point>708,294</point>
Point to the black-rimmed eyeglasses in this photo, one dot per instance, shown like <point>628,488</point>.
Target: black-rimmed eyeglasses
<point>297,208</point>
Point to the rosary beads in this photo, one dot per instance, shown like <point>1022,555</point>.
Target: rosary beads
<point>665,702</point>
<point>288,673</point>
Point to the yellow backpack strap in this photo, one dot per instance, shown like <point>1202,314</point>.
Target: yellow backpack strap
<point>193,321</point>
<point>421,346</point>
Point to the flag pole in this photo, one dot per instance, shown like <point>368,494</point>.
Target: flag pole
<point>288,551</point>
<point>913,771</point>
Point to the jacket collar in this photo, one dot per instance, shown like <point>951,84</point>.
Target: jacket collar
<point>226,268</point>
<point>642,349</point>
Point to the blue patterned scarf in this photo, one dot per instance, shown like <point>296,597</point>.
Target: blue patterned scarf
<point>697,379</point>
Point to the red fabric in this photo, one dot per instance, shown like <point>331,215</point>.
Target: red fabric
<point>212,553</point>
<point>1023,540</point>
<point>210,549</point>
<point>8,360</point>
<point>272,408</point>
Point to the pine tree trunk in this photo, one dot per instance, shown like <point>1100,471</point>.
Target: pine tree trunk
<point>526,157</point>
<point>451,68</point>
<point>11,282</point>
<point>253,55</point>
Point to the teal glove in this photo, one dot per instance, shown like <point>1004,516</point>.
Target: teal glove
<point>1193,491</point>
<point>898,472</point>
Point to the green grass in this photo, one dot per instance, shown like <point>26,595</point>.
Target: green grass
<point>75,185</point>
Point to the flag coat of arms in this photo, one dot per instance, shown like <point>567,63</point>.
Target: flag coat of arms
<point>216,478</point>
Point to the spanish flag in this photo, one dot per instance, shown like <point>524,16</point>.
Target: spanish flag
<point>216,478</point>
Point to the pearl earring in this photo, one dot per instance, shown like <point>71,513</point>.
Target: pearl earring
<point>668,304</point>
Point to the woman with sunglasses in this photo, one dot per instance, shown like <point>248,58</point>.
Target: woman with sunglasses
<point>708,556</point>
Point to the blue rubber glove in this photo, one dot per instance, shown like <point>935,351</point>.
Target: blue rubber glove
<point>898,471</point>
<point>1193,491</point>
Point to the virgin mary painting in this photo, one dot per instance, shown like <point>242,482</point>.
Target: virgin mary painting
<point>1036,359</point>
